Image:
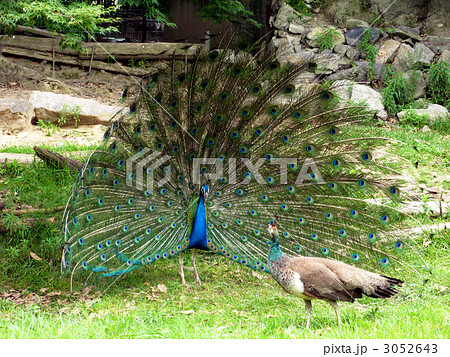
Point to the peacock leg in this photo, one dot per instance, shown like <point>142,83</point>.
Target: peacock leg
<point>308,308</point>
<point>336,310</point>
<point>197,278</point>
<point>182,269</point>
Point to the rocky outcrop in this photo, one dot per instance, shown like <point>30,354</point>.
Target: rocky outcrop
<point>15,115</point>
<point>65,110</point>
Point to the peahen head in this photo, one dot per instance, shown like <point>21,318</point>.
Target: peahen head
<point>274,251</point>
<point>273,231</point>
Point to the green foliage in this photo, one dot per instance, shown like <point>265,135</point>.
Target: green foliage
<point>76,21</point>
<point>366,47</point>
<point>153,9</point>
<point>439,83</point>
<point>326,38</point>
<point>48,127</point>
<point>414,119</point>
<point>231,10</point>
<point>398,91</point>
<point>68,113</point>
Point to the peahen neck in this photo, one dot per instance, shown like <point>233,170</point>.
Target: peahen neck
<point>198,233</point>
<point>275,252</point>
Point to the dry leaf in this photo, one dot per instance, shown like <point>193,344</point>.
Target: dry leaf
<point>34,256</point>
<point>188,312</point>
<point>147,283</point>
<point>43,290</point>
<point>162,288</point>
<point>256,275</point>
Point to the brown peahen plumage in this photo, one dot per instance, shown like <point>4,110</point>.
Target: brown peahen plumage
<point>318,278</point>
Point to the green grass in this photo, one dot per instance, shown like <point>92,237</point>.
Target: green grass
<point>63,147</point>
<point>231,302</point>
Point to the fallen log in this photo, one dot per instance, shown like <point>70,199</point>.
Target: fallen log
<point>56,160</point>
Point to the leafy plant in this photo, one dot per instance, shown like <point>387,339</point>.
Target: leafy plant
<point>76,21</point>
<point>370,51</point>
<point>415,119</point>
<point>231,10</point>
<point>49,128</point>
<point>153,9</point>
<point>398,91</point>
<point>326,38</point>
<point>439,83</point>
<point>72,112</point>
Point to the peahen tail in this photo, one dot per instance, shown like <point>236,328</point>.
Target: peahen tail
<point>266,143</point>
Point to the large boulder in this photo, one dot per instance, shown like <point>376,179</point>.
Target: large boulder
<point>64,110</point>
<point>433,112</point>
<point>354,36</point>
<point>416,80</point>
<point>312,36</point>
<point>402,61</point>
<point>15,114</point>
<point>387,51</point>
<point>371,97</point>
<point>422,56</point>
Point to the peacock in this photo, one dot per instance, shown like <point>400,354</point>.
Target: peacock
<point>318,278</point>
<point>209,151</point>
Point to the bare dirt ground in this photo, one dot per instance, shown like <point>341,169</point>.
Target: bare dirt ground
<point>19,77</point>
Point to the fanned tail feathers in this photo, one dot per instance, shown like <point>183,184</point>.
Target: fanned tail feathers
<point>268,144</point>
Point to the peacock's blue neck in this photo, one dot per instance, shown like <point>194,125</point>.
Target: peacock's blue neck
<point>198,233</point>
<point>275,252</point>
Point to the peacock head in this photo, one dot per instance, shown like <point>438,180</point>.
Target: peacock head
<point>204,191</point>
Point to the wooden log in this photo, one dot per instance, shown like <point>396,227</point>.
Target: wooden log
<point>39,32</point>
<point>74,61</point>
<point>103,51</point>
<point>56,160</point>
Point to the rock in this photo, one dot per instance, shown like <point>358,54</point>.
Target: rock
<point>371,97</point>
<point>387,51</point>
<point>340,49</point>
<point>357,73</point>
<point>53,107</point>
<point>445,57</point>
<point>296,29</point>
<point>15,114</point>
<point>416,80</point>
<point>433,47</point>
<point>354,36</point>
<point>352,23</point>
<point>433,112</point>
<point>405,32</point>
<point>286,16</point>
<point>426,129</point>
<point>280,33</point>
<point>422,56</point>
<point>437,40</point>
<point>352,53</point>
<point>403,57</point>
<point>311,37</point>
<point>432,208</point>
<point>285,47</point>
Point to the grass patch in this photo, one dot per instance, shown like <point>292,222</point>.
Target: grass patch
<point>233,302</point>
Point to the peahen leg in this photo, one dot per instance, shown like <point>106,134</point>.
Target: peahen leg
<point>197,278</point>
<point>336,310</point>
<point>183,281</point>
<point>308,308</point>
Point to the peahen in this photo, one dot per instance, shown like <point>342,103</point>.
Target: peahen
<point>211,150</point>
<point>318,278</point>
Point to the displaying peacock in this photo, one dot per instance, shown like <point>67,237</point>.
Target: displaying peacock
<point>211,150</point>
